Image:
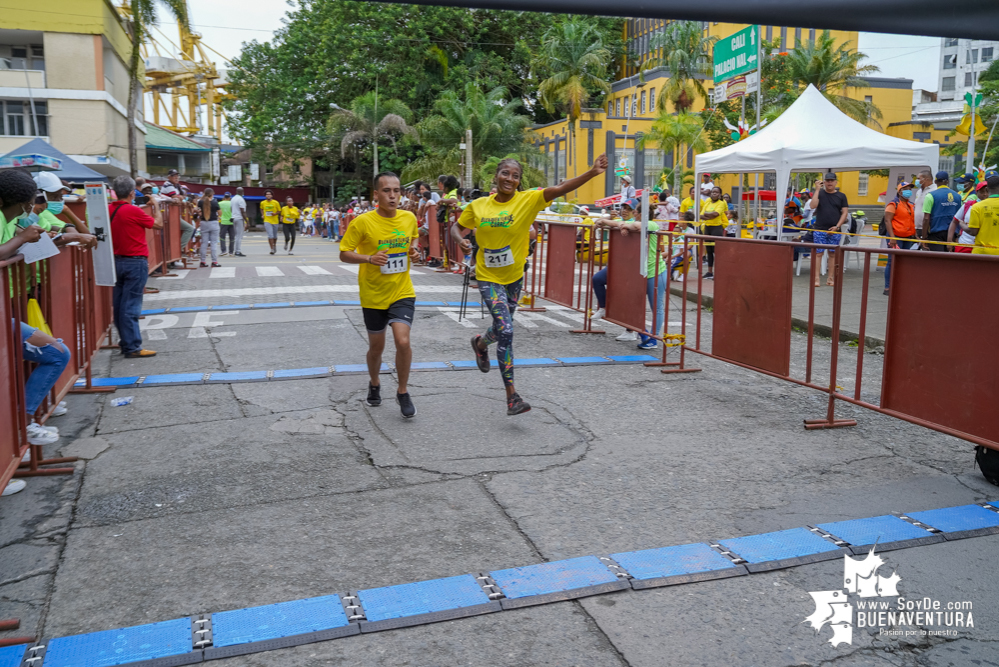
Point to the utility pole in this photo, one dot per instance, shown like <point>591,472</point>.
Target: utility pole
<point>759,103</point>
<point>970,161</point>
<point>468,158</point>
<point>374,130</point>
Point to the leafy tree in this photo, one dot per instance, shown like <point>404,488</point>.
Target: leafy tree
<point>832,69</point>
<point>369,120</point>
<point>675,135</point>
<point>531,178</point>
<point>574,57</point>
<point>685,50</point>
<point>497,129</point>
<point>143,18</point>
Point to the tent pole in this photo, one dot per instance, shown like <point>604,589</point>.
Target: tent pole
<point>759,103</point>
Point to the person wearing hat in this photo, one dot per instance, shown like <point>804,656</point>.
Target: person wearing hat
<point>900,218</point>
<point>983,218</point>
<point>172,188</point>
<point>627,189</point>
<point>966,185</point>
<point>832,211</point>
<point>959,226</point>
<point>225,224</point>
<point>52,189</point>
<point>599,280</point>
<point>939,208</point>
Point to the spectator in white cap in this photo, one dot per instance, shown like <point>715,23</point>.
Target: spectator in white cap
<point>627,189</point>
<point>53,189</point>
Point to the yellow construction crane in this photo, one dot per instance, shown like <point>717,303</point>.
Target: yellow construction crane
<point>180,80</point>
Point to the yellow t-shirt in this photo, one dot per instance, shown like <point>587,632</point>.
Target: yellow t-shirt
<point>270,208</point>
<point>289,214</point>
<point>502,230</point>
<point>367,234</point>
<point>720,207</point>
<point>686,205</point>
<point>984,216</point>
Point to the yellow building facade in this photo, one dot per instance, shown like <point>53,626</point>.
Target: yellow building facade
<point>630,109</point>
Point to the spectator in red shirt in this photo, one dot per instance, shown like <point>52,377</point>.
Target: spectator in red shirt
<point>131,262</point>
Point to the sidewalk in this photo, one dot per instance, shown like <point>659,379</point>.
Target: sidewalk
<point>212,497</point>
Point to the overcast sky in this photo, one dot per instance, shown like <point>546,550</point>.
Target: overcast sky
<point>226,24</point>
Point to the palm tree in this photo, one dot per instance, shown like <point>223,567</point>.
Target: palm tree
<point>676,134</point>
<point>497,129</point>
<point>369,120</point>
<point>685,50</point>
<point>832,69</point>
<point>143,18</point>
<point>574,55</point>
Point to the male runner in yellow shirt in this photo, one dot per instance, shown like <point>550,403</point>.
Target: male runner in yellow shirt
<point>271,210</point>
<point>384,241</point>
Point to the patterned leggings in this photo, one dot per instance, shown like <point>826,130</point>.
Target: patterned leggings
<point>501,300</point>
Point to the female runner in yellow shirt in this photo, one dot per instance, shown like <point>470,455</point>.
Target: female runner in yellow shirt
<point>503,223</point>
<point>714,218</point>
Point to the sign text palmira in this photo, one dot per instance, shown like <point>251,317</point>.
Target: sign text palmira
<point>735,55</point>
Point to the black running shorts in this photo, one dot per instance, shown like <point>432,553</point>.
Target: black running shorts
<point>376,320</point>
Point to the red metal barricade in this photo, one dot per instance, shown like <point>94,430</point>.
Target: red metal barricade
<point>12,416</point>
<point>626,287</point>
<point>940,314</point>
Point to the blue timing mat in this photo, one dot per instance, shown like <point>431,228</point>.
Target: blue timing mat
<point>784,548</point>
<point>960,522</point>
<point>124,646</point>
<point>682,564</point>
<point>10,656</point>
<point>423,602</point>
<point>558,580</point>
<point>889,532</point>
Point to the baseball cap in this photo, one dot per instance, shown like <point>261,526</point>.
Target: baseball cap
<point>172,172</point>
<point>990,173</point>
<point>942,176</point>
<point>829,177</point>
<point>49,182</point>
<point>983,184</point>
<point>966,177</point>
<point>146,186</point>
<point>633,203</point>
<point>228,194</point>
<point>626,178</point>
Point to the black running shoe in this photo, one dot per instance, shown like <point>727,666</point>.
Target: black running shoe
<point>406,405</point>
<point>481,356</point>
<point>374,395</point>
<point>515,405</point>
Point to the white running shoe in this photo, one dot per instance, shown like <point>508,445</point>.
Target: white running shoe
<point>38,435</point>
<point>627,336</point>
<point>50,429</point>
<point>599,314</point>
<point>60,409</point>
<point>14,486</point>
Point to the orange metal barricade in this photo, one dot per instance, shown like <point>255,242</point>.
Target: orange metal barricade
<point>932,375</point>
<point>12,434</point>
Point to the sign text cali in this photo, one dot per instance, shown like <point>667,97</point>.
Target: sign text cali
<point>736,54</point>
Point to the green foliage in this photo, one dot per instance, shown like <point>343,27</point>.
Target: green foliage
<point>532,177</point>
<point>686,53</point>
<point>675,135</point>
<point>714,119</point>
<point>370,121</point>
<point>497,129</point>
<point>575,61</point>
<point>988,84</point>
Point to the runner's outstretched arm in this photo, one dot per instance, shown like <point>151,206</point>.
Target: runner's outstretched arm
<point>599,167</point>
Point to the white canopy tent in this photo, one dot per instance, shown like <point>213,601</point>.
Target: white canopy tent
<point>815,136</point>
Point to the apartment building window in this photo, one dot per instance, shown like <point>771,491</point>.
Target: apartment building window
<point>968,82</point>
<point>869,98</point>
<point>26,57</point>
<point>862,185</point>
<point>17,118</point>
<point>987,55</point>
<point>950,42</point>
<point>947,84</point>
<point>618,105</point>
<point>634,105</point>
<point>971,56</point>
<point>610,107</point>
<point>643,102</point>
<point>652,100</point>
<point>949,62</point>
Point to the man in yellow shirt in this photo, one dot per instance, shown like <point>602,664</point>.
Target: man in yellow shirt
<point>714,219</point>
<point>271,210</point>
<point>289,223</point>
<point>384,241</point>
<point>983,219</point>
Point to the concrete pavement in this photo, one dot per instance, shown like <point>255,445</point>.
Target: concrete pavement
<point>199,499</point>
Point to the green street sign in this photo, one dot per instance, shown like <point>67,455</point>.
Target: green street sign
<point>736,54</point>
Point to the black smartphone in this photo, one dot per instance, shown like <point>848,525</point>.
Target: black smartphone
<point>141,200</point>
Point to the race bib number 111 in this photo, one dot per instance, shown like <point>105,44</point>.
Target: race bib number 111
<point>397,263</point>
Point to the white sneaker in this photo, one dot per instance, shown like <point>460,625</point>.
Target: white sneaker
<point>50,429</point>
<point>39,436</point>
<point>13,486</point>
<point>627,336</point>
<point>599,314</point>
<point>60,409</point>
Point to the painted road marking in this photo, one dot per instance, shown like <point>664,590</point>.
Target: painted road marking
<point>353,268</point>
<point>224,272</point>
<point>269,272</point>
<point>181,274</point>
<point>204,320</point>
<point>453,314</point>
<point>239,292</point>
<point>314,271</point>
